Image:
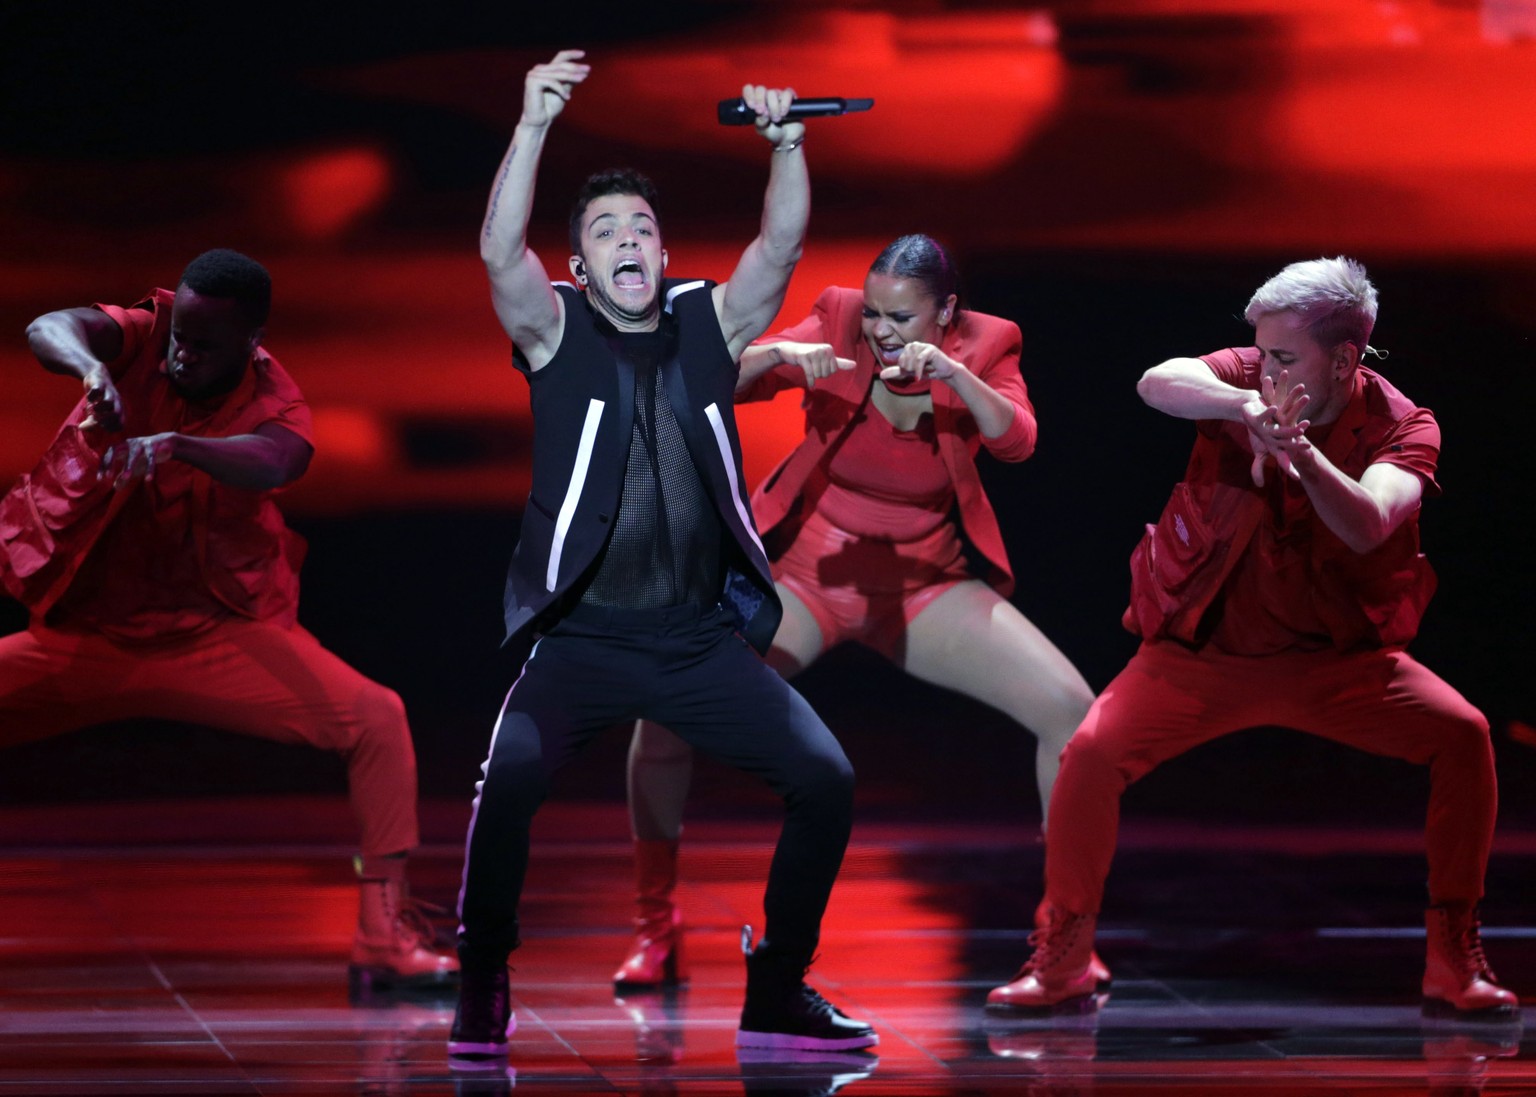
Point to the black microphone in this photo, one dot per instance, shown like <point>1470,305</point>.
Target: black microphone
<point>735,112</point>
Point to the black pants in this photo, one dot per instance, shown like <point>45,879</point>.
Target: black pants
<point>686,669</point>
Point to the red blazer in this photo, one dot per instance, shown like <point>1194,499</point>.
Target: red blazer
<point>988,345</point>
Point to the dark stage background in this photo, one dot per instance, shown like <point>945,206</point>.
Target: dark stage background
<point>1117,177</point>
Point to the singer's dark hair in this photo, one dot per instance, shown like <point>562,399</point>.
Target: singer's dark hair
<point>229,274</point>
<point>924,259</point>
<point>603,183</point>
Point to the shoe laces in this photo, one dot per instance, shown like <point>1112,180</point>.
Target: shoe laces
<point>414,918</point>
<point>1048,942</point>
<point>1037,939</point>
<point>1472,945</point>
<point>815,1003</point>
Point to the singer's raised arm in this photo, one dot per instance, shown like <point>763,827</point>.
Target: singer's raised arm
<point>748,302</point>
<point>527,306</point>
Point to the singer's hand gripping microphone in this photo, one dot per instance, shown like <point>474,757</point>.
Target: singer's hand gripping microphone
<point>735,112</point>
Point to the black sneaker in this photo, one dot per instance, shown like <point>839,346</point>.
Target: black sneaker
<point>483,1020</point>
<point>782,1012</point>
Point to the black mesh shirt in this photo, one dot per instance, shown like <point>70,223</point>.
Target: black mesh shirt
<point>666,541</point>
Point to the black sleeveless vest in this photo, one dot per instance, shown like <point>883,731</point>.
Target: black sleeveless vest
<point>583,414</point>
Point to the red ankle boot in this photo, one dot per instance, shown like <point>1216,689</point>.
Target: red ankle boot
<point>1096,967</point>
<point>394,945</point>
<point>656,955</point>
<point>1457,979</point>
<point>1057,977</point>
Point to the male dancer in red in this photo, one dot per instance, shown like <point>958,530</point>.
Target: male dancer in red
<point>162,581</point>
<point>1280,587</point>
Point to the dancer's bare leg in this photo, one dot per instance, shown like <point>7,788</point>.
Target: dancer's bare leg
<point>971,640</point>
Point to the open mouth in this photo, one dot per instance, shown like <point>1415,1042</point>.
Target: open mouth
<point>890,354</point>
<point>628,275</point>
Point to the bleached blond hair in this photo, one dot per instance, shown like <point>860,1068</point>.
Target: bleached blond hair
<point>1333,296</point>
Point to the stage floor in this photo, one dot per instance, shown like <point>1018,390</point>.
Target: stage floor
<point>1246,961</point>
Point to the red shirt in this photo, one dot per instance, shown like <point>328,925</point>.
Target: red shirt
<point>162,558</point>
<point>886,483</point>
<point>1273,600</point>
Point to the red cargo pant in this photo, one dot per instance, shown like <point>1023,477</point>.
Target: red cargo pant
<point>1169,699</point>
<point>243,676</point>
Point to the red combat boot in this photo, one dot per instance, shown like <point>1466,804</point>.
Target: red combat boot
<point>1057,977</point>
<point>1457,980</point>
<point>656,956</point>
<point>1096,967</point>
<point>394,944</point>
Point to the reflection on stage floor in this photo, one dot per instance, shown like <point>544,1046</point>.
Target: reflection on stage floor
<point>1254,961</point>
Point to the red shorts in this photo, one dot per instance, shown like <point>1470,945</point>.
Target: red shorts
<point>864,589</point>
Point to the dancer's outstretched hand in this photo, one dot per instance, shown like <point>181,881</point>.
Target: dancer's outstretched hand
<point>818,360</point>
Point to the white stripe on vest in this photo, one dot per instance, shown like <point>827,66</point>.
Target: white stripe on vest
<point>573,492</point>
<point>724,442</point>
<point>684,288</point>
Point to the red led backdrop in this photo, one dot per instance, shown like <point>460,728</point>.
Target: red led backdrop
<point>1114,175</point>
<point>1170,129</point>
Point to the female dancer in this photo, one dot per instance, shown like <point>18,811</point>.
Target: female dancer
<point>903,389</point>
